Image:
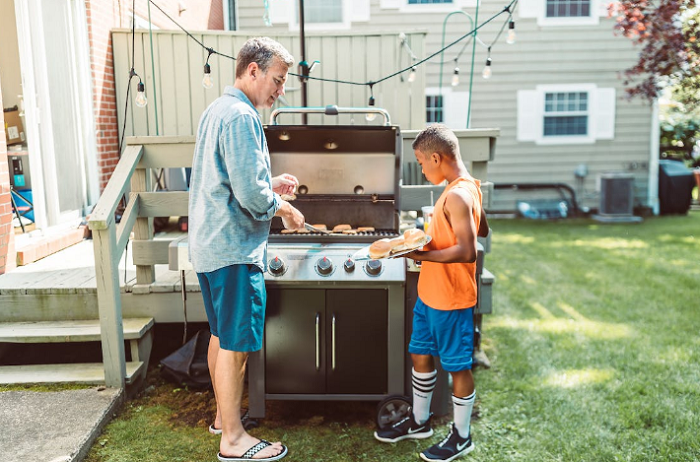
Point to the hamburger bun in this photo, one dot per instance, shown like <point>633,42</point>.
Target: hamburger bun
<point>397,244</point>
<point>380,248</point>
<point>413,237</point>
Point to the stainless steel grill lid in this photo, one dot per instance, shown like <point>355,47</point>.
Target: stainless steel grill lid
<point>347,175</point>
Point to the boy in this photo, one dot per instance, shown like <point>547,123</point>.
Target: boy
<point>443,316</point>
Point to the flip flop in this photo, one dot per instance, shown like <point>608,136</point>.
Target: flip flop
<point>215,431</point>
<point>248,455</point>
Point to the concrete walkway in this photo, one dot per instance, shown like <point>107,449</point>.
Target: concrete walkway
<point>53,426</point>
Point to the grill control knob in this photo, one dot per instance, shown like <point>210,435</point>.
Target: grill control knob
<point>277,266</point>
<point>373,267</point>
<point>324,266</point>
<point>349,265</point>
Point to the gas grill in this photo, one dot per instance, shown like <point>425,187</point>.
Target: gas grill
<point>334,327</point>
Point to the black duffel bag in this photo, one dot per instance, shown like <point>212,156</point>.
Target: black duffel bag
<point>188,364</point>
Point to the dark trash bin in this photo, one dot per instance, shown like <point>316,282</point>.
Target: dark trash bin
<point>676,184</point>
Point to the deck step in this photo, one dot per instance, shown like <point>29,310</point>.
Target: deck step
<point>67,331</point>
<point>88,373</point>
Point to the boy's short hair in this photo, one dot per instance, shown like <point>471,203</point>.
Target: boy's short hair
<point>263,51</point>
<point>437,138</point>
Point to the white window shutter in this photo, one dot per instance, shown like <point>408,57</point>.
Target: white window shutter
<point>282,11</point>
<point>388,4</point>
<point>359,12</point>
<point>605,114</point>
<point>455,106</point>
<point>530,8</point>
<point>528,115</point>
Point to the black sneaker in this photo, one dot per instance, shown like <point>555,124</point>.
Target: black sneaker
<point>451,447</point>
<point>404,429</point>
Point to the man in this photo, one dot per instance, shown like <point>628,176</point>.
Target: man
<point>233,198</point>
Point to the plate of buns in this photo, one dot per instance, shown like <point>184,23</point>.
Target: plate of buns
<point>412,239</point>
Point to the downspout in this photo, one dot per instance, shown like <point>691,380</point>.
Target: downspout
<point>655,133</point>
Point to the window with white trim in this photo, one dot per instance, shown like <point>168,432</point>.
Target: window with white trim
<point>427,2</point>
<point>433,109</point>
<point>568,8</point>
<point>320,15</point>
<point>566,114</point>
<point>446,106</point>
<point>563,12</point>
<point>322,11</point>
<point>426,6</point>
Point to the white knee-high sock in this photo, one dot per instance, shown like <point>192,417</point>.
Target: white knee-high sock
<point>423,386</point>
<point>463,413</point>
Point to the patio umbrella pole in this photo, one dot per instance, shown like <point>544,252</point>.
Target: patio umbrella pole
<point>303,66</point>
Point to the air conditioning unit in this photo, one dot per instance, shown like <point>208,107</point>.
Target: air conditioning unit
<point>616,194</point>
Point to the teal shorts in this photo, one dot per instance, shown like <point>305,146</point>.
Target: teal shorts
<point>447,334</point>
<point>234,299</point>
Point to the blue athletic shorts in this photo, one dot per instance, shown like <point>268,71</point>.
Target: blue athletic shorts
<point>234,299</point>
<point>447,334</point>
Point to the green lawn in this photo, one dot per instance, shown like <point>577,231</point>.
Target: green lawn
<point>595,345</point>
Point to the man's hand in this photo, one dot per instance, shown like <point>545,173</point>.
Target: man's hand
<point>291,217</point>
<point>285,184</point>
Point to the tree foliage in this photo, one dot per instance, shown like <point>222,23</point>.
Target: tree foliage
<point>680,135</point>
<point>669,33</point>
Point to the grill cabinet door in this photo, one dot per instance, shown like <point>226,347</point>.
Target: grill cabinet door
<point>294,345</point>
<point>356,358</point>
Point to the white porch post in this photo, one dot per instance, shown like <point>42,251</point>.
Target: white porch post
<point>110,305</point>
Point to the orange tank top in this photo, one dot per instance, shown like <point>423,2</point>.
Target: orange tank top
<point>449,286</point>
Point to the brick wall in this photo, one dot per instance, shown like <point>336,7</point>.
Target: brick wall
<point>102,17</point>
<point>6,231</point>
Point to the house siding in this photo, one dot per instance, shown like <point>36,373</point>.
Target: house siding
<point>542,55</point>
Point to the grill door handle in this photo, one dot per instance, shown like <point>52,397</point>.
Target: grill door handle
<point>318,341</point>
<point>333,344</point>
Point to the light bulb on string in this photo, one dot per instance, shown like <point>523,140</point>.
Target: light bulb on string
<point>412,75</point>
<point>207,80</point>
<point>486,73</point>
<point>510,38</point>
<point>370,116</point>
<point>455,77</point>
<point>141,100</point>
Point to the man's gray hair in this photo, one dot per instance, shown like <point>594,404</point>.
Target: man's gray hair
<point>263,51</point>
<point>437,138</point>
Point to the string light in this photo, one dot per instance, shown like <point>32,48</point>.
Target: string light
<point>207,80</point>
<point>141,100</point>
<point>510,38</point>
<point>486,73</point>
<point>412,75</point>
<point>455,76</point>
<point>370,116</point>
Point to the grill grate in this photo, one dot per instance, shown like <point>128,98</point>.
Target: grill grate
<point>277,236</point>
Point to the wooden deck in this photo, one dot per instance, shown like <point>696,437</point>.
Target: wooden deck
<point>62,286</point>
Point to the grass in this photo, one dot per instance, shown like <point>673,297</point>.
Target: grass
<point>595,350</point>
